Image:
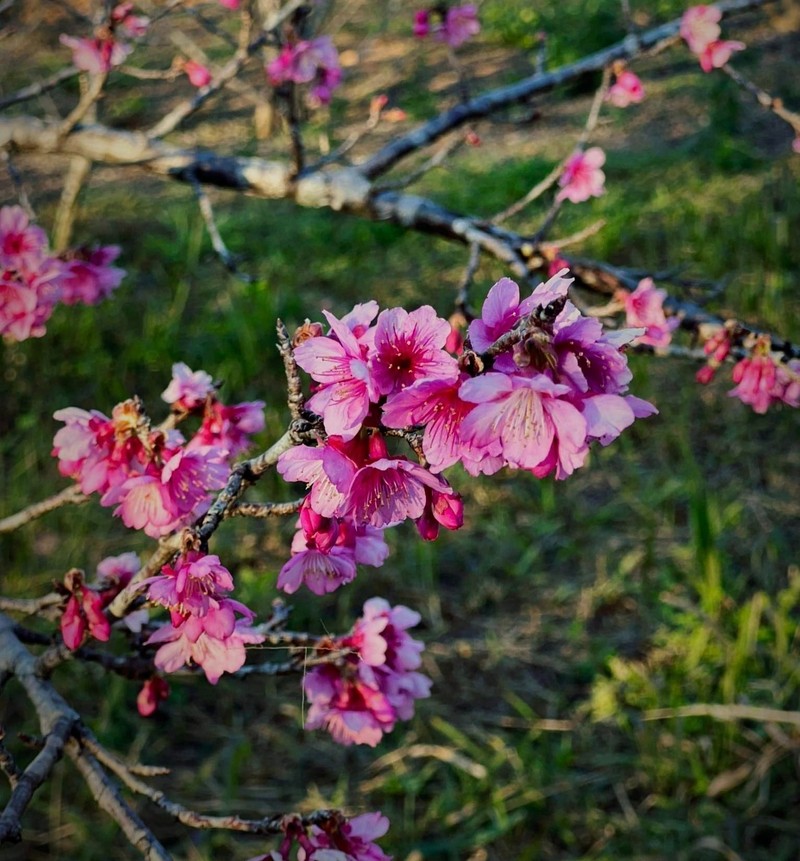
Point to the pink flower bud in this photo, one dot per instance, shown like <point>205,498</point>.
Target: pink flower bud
<point>197,73</point>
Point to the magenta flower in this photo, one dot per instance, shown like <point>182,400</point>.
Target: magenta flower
<point>88,276</point>
<point>131,26</point>
<point>352,841</point>
<point>347,386</point>
<point>389,490</point>
<point>188,389</point>
<point>422,23</point>
<point>644,307</point>
<point>192,587</point>
<point>460,24</point>
<point>198,75</point>
<point>315,61</point>
<point>410,347</point>
<point>359,700</point>
<point>626,90</point>
<point>305,463</point>
<point>762,380</point>
<point>582,177</point>
<point>501,311</point>
<point>118,569</point>
<point>19,310</point>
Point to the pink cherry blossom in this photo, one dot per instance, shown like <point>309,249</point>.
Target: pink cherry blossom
<point>84,611</point>
<point>206,642</point>
<point>188,389</point>
<point>229,427</point>
<point>192,587</point>
<point>229,4</point>
<point>582,177</point>
<point>88,276</point>
<point>198,75</point>
<point>19,309</point>
<point>361,699</point>
<point>131,26</point>
<point>520,418</point>
<point>501,311</point>
<point>352,841</point>
<point>96,56</point>
<point>644,307</point>
<point>315,61</point>
<point>22,245</point>
<point>152,693</point>
<point>460,24</point>
<point>410,347</point>
<point>347,388</point>
<point>626,90</point>
<point>716,54</point>
<point>700,27</point>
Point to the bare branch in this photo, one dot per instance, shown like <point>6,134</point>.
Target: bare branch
<point>69,496</point>
<point>33,90</point>
<point>295,398</point>
<point>77,174</point>
<point>265,509</point>
<point>521,91</point>
<point>106,794</point>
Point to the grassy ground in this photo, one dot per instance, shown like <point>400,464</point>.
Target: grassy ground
<point>570,627</point>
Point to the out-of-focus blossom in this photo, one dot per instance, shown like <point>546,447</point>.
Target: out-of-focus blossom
<point>701,31</point>
<point>582,177</point>
<point>453,26</point>
<point>644,307</point>
<point>197,73</point>
<point>626,90</point>
<point>88,276</point>
<point>314,62</point>
<point>152,693</point>
<point>717,54</point>
<point>187,389</point>
<point>96,56</point>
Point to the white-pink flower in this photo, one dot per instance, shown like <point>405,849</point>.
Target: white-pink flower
<point>644,307</point>
<point>700,27</point>
<point>582,177</point>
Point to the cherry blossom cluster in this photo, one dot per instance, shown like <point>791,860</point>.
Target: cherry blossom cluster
<point>83,611</point>
<point>763,378</point>
<point>206,627</point>
<point>336,840</point>
<point>157,481</point>
<point>536,383</point>
<point>701,31</point>
<point>32,281</point>
<point>107,48</point>
<point>375,683</point>
<point>314,62</point>
<point>453,26</point>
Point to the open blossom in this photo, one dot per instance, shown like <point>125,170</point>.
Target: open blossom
<point>644,307</point>
<point>96,56</point>
<point>187,389</point>
<point>314,61</point>
<point>626,90</point>
<point>352,841</point>
<point>701,31</point>
<point>717,54</point>
<point>362,698</point>
<point>460,24</point>
<point>88,276</point>
<point>22,245</point>
<point>229,427</point>
<point>582,177</point>
<point>190,587</point>
<point>700,27</point>
<point>348,386</point>
<point>410,347</point>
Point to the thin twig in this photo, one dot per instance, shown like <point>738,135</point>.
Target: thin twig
<point>107,795</point>
<point>85,104</point>
<point>265,509</point>
<point>77,174</point>
<point>33,90</point>
<point>294,388</point>
<point>725,712</point>
<point>764,99</point>
<point>217,242</point>
<point>69,496</point>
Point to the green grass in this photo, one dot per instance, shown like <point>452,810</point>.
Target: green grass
<point>662,575</point>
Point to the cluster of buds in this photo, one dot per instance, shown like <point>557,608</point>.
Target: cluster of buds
<point>32,281</point>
